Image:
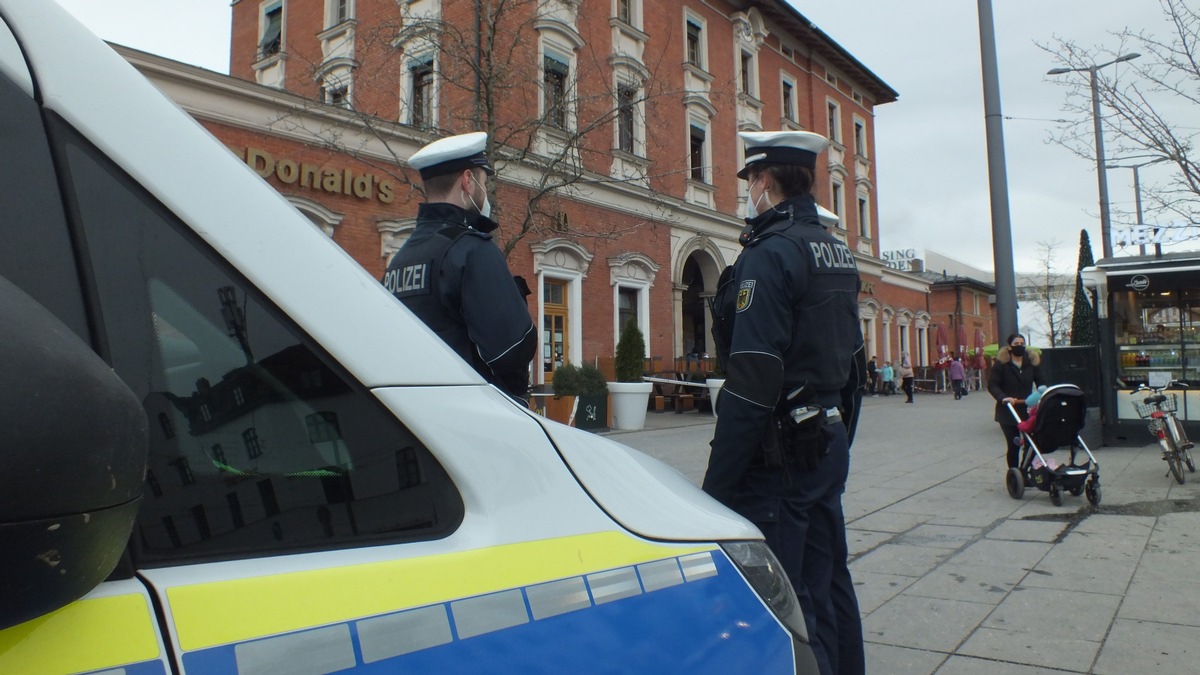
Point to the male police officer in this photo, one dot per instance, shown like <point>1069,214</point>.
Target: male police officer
<point>451,275</point>
<point>786,328</point>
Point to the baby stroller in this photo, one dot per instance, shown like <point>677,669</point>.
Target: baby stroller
<point>1056,422</point>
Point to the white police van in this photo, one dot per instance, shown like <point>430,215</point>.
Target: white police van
<point>224,448</point>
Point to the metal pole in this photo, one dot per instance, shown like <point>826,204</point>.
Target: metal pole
<point>1101,175</point>
<point>1137,200</point>
<point>1006,288</point>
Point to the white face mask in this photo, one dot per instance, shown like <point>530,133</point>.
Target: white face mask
<point>752,204</point>
<point>486,209</point>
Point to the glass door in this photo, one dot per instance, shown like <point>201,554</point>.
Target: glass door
<point>554,327</point>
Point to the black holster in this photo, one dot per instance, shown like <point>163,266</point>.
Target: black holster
<point>797,438</point>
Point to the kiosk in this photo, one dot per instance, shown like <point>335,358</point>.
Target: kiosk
<point>1148,310</point>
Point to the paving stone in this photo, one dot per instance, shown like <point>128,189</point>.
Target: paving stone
<point>888,521</point>
<point>909,561</point>
<point>1025,530</point>
<point>861,541</point>
<point>895,660</point>
<point>1173,600</point>
<point>1010,554</point>
<point>966,665</point>
<point>873,589</point>
<point>940,536</point>
<point>1149,647</point>
<point>972,583</point>
<point>924,623</point>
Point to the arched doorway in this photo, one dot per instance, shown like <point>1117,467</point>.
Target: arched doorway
<point>699,265</point>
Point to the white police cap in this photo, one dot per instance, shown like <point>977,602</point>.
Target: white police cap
<point>827,218</point>
<point>781,147</point>
<point>452,154</point>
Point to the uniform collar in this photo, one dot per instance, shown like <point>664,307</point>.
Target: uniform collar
<point>455,215</point>
<point>801,209</point>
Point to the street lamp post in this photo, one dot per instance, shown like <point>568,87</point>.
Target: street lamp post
<point>1101,178</point>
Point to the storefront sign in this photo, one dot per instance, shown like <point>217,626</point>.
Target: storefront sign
<point>1139,282</point>
<point>868,287</point>
<point>315,177</point>
<point>901,259</point>
<point>1140,235</point>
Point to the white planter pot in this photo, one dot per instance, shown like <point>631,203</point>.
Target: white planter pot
<point>629,402</point>
<point>714,388</point>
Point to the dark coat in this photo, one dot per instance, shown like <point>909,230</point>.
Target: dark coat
<point>1006,380</point>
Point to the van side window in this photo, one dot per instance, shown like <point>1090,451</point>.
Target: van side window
<point>262,444</point>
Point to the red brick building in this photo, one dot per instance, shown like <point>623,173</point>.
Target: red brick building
<point>615,131</point>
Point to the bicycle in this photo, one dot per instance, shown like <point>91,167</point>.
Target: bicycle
<point>1158,410</point>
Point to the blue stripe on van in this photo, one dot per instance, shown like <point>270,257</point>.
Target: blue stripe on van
<point>144,668</point>
<point>706,623</point>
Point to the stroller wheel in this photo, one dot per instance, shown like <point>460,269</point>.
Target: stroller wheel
<point>1056,493</point>
<point>1093,492</point>
<point>1014,480</point>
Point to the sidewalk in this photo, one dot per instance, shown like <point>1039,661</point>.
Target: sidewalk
<point>954,576</point>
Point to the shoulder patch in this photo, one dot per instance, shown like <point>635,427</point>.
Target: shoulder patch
<point>745,295</point>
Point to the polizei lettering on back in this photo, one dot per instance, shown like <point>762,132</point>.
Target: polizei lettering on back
<point>410,280</point>
<point>832,256</point>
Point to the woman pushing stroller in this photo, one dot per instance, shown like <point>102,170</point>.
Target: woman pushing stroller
<point>1012,379</point>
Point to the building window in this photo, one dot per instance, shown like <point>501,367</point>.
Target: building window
<point>156,488</point>
<point>554,84</point>
<point>253,445</point>
<point>864,224</point>
<point>323,427</point>
<point>339,11</point>
<point>834,122</point>
<point>831,79</point>
<point>555,316</point>
<point>695,44</point>
<point>625,11</point>
<point>337,96</point>
<point>168,428</point>
<point>421,93</point>
<point>627,307</point>
<point>407,468</point>
<point>626,102</point>
<point>860,139</point>
<point>788,90</point>
<point>185,470</point>
<point>837,198</point>
<point>218,454</point>
<point>696,153</point>
<point>271,42</point>
<point>747,73</point>
<point>235,509</point>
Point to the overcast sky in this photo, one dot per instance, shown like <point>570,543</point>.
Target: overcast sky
<point>930,144</point>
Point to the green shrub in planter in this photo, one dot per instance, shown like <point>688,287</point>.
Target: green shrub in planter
<point>567,380</point>
<point>631,353</point>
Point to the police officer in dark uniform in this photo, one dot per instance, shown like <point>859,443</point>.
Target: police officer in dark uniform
<point>787,333</point>
<point>451,274</point>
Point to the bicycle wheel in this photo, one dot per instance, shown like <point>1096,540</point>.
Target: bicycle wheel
<point>1176,465</point>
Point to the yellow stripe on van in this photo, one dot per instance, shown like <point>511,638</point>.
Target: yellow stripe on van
<point>90,634</point>
<point>222,612</point>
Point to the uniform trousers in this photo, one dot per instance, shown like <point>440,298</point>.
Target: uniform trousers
<point>800,514</point>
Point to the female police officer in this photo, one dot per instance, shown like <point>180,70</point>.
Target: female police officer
<point>786,328</point>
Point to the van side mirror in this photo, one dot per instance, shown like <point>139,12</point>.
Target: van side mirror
<point>73,444</point>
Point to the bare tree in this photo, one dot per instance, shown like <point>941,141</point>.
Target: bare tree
<point>490,79</point>
<point>1052,292</point>
<point>1148,108</point>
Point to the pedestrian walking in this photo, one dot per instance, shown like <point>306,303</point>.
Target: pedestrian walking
<point>1013,377</point>
<point>482,314</point>
<point>872,376</point>
<point>907,374</point>
<point>957,375</point>
<point>780,453</point>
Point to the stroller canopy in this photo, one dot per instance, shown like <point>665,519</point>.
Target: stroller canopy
<point>1061,414</point>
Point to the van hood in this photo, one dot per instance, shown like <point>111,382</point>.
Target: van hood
<point>642,494</point>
